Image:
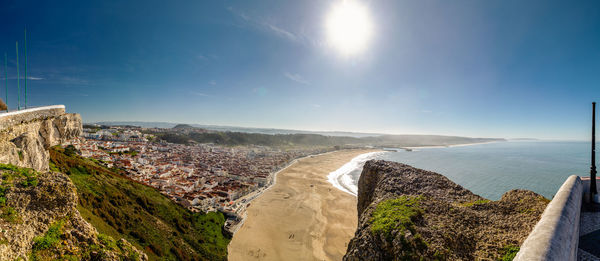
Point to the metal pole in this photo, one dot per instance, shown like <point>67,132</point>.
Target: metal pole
<point>25,67</point>
<point>593,190</point>
<point>18,79</point>
<point>6,81</point>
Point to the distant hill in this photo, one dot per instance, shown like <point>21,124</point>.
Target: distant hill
<point>242,138</point>
<point>168,125</point>
<point>122,208</point>
<point>183,126</point>
<point>229,135</point>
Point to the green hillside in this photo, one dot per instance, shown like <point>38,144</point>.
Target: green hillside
<point>123,208</point>
<point>196,135</point>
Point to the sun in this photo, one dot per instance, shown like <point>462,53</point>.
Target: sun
<point>349,27</point>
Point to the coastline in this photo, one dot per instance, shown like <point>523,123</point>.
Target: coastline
<point>341,179</point>
<point>453,145</point>
<point>247,199</point>
<point>300,216</point>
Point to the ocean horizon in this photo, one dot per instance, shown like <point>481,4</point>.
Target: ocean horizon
<point>489,169</point>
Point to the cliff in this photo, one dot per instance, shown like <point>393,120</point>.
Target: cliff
<point>26,135</point>
<point>39,218</point>
<point>407,213</point>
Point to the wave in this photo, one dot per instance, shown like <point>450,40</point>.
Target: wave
<point>341,178</point>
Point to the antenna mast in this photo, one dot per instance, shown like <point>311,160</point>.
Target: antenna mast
<point>25,67</point>
<point>593,190</point>
<point>6,82</point>
<point>18,79</point>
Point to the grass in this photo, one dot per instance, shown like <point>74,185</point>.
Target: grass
<point>51,246</point>
<point>474,203</point>
<point>399,214</point>
<point>395,214</point>
<point>51,237</point>
<point>10,176</point>
<point>119,207</point>
<point>10,214</point>
<point>509,252</point>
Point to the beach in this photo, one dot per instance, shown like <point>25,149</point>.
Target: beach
<point>302,216</point>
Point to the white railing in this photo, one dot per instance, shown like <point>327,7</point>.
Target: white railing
<point>556,235</point>
<point>31,109</point>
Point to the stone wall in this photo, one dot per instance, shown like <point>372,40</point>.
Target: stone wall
<point>26,135</point>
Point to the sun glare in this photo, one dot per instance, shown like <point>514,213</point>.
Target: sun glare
<point>349,27</point>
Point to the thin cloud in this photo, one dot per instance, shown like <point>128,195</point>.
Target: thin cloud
<point>199,94</point>
<point>270,27</point>
<point>23,78</point>
<point>282,32</point>
<point>213,82</point>
<point>296,77</point>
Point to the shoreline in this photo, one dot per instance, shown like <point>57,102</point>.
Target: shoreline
<point>450,146</point>
<point>241,211</point>
<point>300,216</point>
<point>337,177</point>
<point>340,178</point>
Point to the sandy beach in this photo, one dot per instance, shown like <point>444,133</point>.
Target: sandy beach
<point>302,216</point>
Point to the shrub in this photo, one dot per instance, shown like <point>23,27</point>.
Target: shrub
<point>108,241</point>
<point>51,237</point>
<point>9,214</point>
<point>510,252</point>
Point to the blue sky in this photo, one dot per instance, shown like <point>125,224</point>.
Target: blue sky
<point>470,68</point>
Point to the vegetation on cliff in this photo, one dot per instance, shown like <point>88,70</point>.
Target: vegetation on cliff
<point>396,214</point>
<point>53,246</point>
<point>11,176</point>
<point>122,208</point>
<point>410,214</point>
<point>39,220</point>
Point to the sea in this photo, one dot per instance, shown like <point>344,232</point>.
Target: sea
<point>489,169</point>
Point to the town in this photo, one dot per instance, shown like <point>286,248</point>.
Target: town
<point>200,177</point>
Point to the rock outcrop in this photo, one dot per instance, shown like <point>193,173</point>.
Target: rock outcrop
<point>39,217</point>
<point>2,105</point>
<point>26,135</point>
<point>407,213</point>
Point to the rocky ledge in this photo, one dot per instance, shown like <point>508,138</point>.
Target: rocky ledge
<point>407,213</point>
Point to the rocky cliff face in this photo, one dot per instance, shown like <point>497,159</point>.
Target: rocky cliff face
<point>408,214</point>
<point>25,136</point>
<point>39,219</point>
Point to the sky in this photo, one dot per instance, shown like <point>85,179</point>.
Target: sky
<point>507,68</point>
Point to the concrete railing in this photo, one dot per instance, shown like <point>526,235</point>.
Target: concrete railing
<point>556,235</point>
<point>11,118</point>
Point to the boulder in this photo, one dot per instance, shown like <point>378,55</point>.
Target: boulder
<point>3,105</point>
